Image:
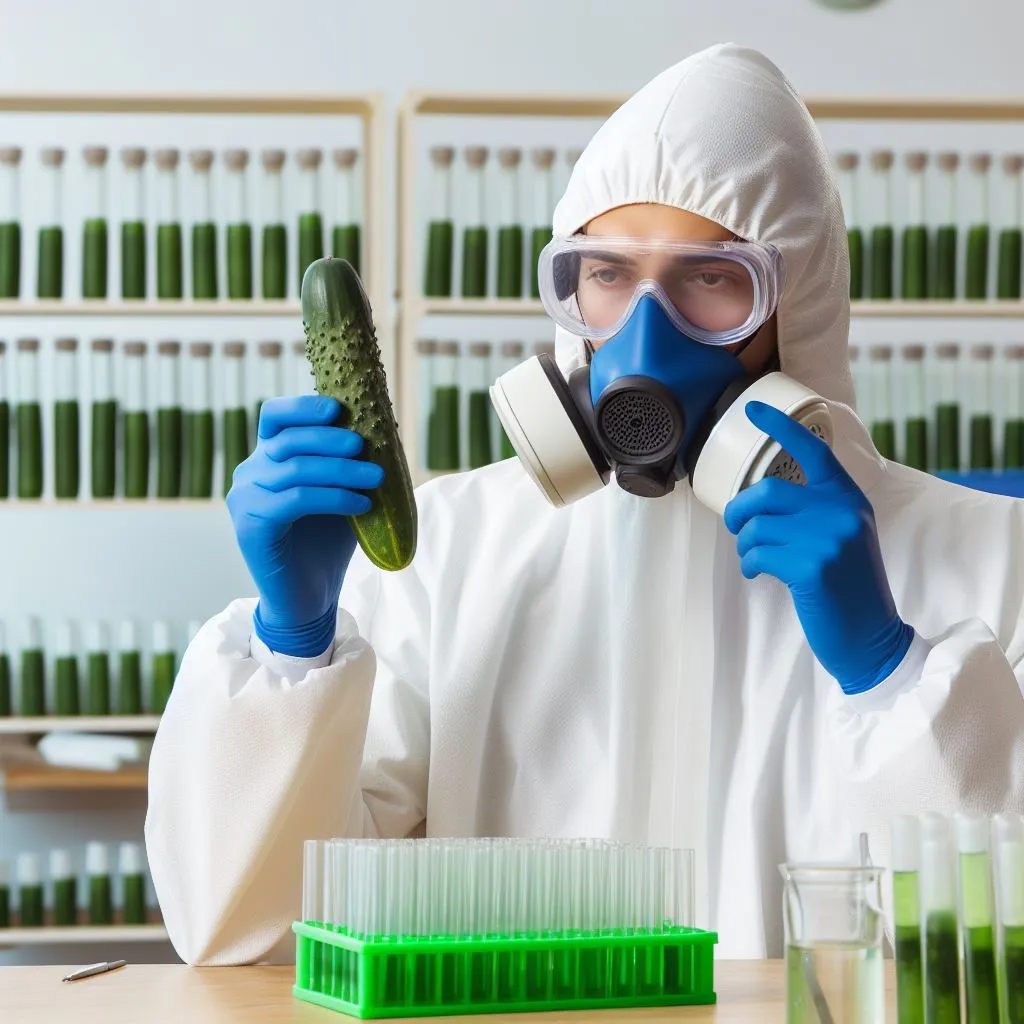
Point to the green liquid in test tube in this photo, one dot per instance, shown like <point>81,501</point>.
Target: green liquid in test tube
<point>1008,857</point>
<point>136,422</point>
<point>883,427</point>
<point>133,884</point>
<point>103,440</point>
<point>6,704</point>
<point>67,700</point>
<point>947,413</point>
<point>510,230</point>
<point>32,681</point>
<point>311,227</point>
<point>976,273</point>
<point>510,354</point>
<point>29,421</point>
<point>906,900</point>
<point>443,452</point>
<point>170,419</point>
<point>915,453</point>
<point>30,891</point>
<point>440,254</point>
<point>915,234</point>
<point>345,236</point>
<point>97,669</point>
<point>474,234</point>
<point>480,448</point>
<point>97,870</point>
<point>10,224</point>
<point>235,418</point>
<point>204,228</point>
<point>65,889</point>
<point>129,672</point>
<point>274,254</point>
<point>882,235</point>
<point>66,469</point>
<point>169,265</point>
<point>5,897</point>
<point>543,160</point>
<point>847,165</point>
<point>982,431</point>
<point>163,667</point>
<point>239,230</point>
<point>977,918</point>
<point>5,426</point>
<point>1013,424</point>
<point>133,226</point>
<point>946,231</point>
<point>50,263</point>
<point>426,362</point>
<point>939,912</point>
<point>199,429</point>
<point>94,227</point>
<point>1008,272</point>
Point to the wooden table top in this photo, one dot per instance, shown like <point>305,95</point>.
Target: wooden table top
<point>749,992</point>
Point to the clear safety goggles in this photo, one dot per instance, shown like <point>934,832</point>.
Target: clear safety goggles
<point>716,293</point>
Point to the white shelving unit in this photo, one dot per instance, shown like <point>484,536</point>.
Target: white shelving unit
<point>147,559</point>
<point>413,306</point>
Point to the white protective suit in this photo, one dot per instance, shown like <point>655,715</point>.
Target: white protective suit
<point>604,669</point>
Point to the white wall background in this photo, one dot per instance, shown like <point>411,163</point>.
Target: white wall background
<point>900,47</point>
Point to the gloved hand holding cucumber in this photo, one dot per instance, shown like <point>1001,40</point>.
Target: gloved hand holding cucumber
<point>328,471</point>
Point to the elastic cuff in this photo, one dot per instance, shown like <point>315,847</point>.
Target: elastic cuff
<point>905,676</point>
<point>903,641</point>
<point>307,641</point>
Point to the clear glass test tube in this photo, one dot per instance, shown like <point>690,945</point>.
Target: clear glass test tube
<point>66,419</point>
<point>474,233</point>
<point>437,273</point>
<point>847,165</point>
<point>274,245</point>
<point>939,912</point>
<point>914,269</point>
<point>1008,272</point>
<point>882,233</point>
<point>978,231</point>
<point>346,234</point>
<point>50,262</point>
<point>204,226</point>
<point>170,421</point>
<point>479,443</point>
<point>169,257</point>
<point>1008,849</point>
<point>133,225</point>
<point>1013,410</point>
<point>510,228</point>
<point>982,422</point>
<point>883,427</point>
<point>945,275</point>
<point>977,920</point>
<point>311,225</point>
<point>239,229</point>
<point>94,227</point>
<point>135,422</point>
<point>915,451</point>
<point>10,223</point>
<point>29,421</point>
<point>948,409</point>
<point>543,160</point>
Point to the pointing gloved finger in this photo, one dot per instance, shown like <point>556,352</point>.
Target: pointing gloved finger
<point>299,502</point>
<point>331,442</point>
<point>814,456</point>
<point>296,411</point>
<point>317,471</point>
<point>770,531</point>
<point>770,496</point>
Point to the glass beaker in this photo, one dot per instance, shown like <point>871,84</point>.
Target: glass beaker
<point>833,924</point>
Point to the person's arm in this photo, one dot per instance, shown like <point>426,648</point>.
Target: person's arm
<point>262,740</point>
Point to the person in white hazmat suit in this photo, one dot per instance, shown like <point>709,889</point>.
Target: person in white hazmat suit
<point>759,682</point>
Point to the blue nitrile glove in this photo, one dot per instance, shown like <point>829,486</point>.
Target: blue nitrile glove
<point>820,540</point>
<point>287,501</point>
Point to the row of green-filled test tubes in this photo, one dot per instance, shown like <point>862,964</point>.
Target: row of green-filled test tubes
<point>105,901</point>
<point>958,899</point>
<point>235,224</point>
<point>114,682</point>
<point>518,247</point>
<point>935,260</point>
<point>458,427</point>
<point>134,451</point>
<point>968,400</point>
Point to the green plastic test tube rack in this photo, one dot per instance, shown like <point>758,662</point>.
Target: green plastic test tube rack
<point>391,976</point>
<point>413,928</point>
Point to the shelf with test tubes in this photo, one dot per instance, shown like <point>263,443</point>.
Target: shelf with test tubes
<point>474,261</point>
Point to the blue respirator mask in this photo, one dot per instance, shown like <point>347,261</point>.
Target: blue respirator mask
<point>659,397</point>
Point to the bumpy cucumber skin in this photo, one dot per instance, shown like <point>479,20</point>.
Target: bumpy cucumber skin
<point>341,346</point>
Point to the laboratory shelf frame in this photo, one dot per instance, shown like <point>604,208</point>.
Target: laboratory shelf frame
<point>36,725</point>
<point>412,306</point>
<point>370,108</point>
<point>82,934</point>
<point>32,777</point>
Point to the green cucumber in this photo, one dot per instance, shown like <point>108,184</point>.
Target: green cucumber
<point>341,346</point>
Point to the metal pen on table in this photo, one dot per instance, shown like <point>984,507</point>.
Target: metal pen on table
<point>93,969</point>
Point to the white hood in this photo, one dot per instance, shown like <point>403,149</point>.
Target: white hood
<point>724,135</point>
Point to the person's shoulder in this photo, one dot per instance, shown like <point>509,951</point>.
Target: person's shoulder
<point>497,490</point>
